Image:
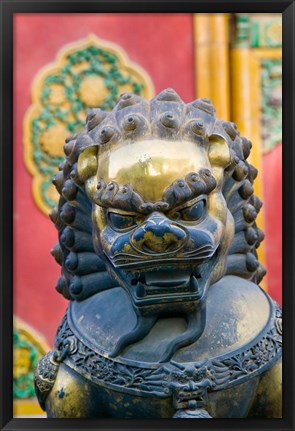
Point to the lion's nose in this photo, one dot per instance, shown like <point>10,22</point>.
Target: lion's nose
<point>159,235</point>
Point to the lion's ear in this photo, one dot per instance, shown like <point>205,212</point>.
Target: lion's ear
<point>87,168</point>
<point>87,163</point>
<point>219,156</point>
<point>218,151</point>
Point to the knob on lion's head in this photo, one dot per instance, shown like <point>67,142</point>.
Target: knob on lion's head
<point>163,191</point>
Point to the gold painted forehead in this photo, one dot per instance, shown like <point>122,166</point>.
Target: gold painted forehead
<point>150,166</point>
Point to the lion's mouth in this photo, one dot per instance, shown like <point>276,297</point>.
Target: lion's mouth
<point>174,284</point>
<point>170,281</point>
<point>168,284</point>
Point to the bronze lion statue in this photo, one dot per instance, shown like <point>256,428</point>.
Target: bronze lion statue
<point>157,247</point>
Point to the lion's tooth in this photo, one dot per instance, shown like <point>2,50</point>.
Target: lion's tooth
<point>195,285</point>
<point>140,290</point>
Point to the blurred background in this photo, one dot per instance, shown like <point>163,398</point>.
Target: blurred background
<point>65,64</point>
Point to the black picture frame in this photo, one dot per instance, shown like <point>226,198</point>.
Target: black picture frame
<point>8,8</point>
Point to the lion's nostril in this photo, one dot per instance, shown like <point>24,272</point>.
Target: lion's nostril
<point>160,244</point>
<point>159,235</point>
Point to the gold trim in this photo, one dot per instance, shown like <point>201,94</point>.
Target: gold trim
<point>123,60</point>
<point>267,53</point>
<point>212,61</point>
<point>27,408</point>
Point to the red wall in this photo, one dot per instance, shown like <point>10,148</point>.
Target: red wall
<point>162,44</point>
<point>272,179</point>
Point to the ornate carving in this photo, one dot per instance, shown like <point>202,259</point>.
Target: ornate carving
<point>193,381</point>
<point>45,373</point>
<point>188,383</point>
<point>100,369</point>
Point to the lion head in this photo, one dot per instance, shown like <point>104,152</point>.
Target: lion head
<point>163,192</point>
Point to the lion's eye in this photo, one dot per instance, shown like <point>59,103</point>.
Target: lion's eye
<point>194,212</point>
<point>121,221</point>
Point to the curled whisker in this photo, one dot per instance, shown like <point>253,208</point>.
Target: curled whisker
<point>199,250</point>
<point>203,254</point>
<point>127,256</point>
<point>151,263</point>
<point>127,261</point>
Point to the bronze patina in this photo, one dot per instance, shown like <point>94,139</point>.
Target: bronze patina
<point>157,245</point>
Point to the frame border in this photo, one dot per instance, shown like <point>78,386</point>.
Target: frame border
<point>7,9</point>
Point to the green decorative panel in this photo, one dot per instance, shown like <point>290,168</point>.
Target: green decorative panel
<point>241,31</point>
<point>27,350</point>
<point>257,32</point>
<point>271,94</point>
<point>266,34</point>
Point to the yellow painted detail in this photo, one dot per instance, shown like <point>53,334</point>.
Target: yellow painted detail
<point>27,408</point>
<point>52,140</point>
<point>212,61</point>
<point>90,97</point>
